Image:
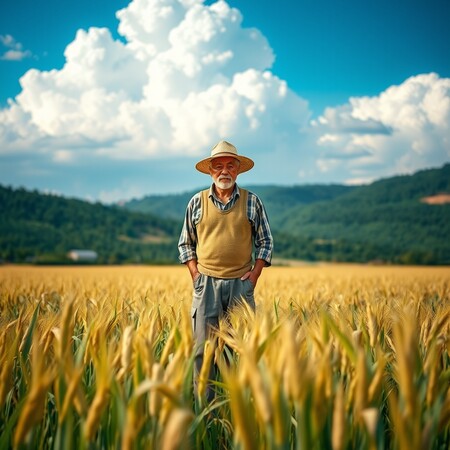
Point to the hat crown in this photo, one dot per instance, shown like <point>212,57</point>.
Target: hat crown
<point>223,147</point>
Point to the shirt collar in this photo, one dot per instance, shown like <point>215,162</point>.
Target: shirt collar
<point>236,192</point>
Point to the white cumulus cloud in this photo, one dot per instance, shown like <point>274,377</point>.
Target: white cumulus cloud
<point>184,75</point>
<point>404,129</point>
<point>15,51</point>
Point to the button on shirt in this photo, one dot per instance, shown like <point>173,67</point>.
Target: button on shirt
<point>256,214</point>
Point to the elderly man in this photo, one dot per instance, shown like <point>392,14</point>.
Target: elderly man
<point>221,227</point>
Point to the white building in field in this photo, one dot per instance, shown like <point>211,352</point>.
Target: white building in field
<point>82,255</point>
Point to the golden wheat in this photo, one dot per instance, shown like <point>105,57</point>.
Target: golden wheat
<point>336,356</point>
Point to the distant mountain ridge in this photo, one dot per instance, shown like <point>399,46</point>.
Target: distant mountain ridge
<point>276,198</point>
<point>422,184</point>
<point>402,219</point>
<point>387,220</point>
<point>389,215</point>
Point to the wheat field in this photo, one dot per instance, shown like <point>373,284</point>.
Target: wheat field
<point>336,357</point>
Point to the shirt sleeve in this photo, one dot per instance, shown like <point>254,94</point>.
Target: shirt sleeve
<point>187,242</point>
<point>262,234</point>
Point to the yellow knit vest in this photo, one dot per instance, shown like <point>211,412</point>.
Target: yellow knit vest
<point>224,239</point>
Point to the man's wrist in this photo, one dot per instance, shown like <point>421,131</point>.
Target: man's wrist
<point>192,266</point>
<point>258,267</point>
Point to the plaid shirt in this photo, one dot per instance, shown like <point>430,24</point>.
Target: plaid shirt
<point>256,214</point>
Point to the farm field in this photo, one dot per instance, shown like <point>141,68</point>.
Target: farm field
<point>336,357</point>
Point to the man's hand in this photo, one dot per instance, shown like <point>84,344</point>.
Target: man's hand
<point>192,266</point>
<point>254,274</point>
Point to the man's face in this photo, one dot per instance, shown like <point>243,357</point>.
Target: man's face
<point>224,171</point>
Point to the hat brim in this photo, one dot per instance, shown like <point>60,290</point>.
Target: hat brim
<point>245,163</point>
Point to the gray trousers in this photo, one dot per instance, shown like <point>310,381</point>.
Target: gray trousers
<point>212,298</point>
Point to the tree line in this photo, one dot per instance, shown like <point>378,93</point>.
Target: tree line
<point>386,221</point>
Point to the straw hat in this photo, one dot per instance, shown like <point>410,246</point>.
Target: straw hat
<point>224,148</point>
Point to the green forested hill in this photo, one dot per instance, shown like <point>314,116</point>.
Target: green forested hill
<point>43,228</point>
<point>170,206</point>
<point>387,220</point>
<point>276,199</point>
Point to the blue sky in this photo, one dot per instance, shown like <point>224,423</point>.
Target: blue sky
<point>119,106</point>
